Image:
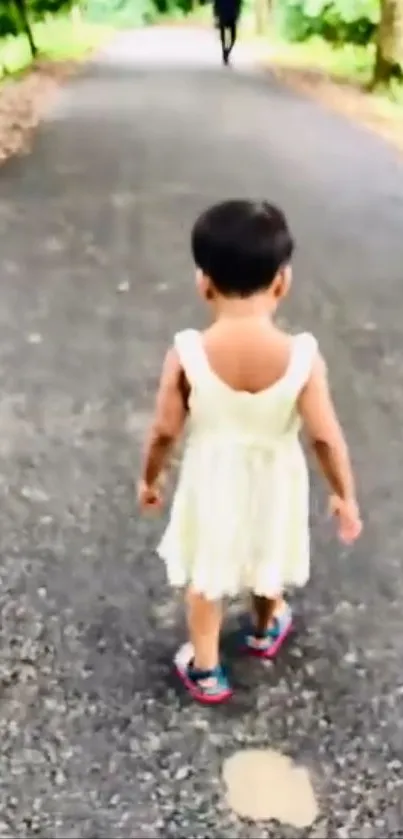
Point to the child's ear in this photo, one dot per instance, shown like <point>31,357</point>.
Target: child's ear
<point>282,283</point>
<point>203,285</point>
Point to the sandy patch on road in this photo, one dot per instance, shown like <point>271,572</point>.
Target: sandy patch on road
<point>263,784</point>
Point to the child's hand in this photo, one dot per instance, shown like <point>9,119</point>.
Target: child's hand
<point>349,520</point>
<point>149,497</point>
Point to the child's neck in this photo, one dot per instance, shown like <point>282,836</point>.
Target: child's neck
<point>257,306</point>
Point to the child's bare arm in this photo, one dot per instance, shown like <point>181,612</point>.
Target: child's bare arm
<point>323,429</point>
<point>169,418</point>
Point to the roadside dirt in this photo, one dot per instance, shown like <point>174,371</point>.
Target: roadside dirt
<point>370,110</point>
<point>23,101</point>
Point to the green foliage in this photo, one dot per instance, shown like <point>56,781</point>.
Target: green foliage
<point>20,17</point>
<point>39,8</point>
<point>12,12</point>
<point>9,21</point>
<point>336,21</point>
<point>135,12</point>
<point>121,13</point>
<point>58,38</point>
<point>171,6</point>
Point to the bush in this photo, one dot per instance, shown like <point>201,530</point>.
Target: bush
<point>337,21</point>
<point>9,22</point>
<point>173,6</point>
<point>134,12</point>
<point>121,12</point>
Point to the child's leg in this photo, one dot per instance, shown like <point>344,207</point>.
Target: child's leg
<point>263,611</point>
<point>198,663</point>
<point>204,622</point>
<point>271,623</point>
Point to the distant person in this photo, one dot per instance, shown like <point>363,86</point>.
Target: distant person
<point>240,517</point>
<point>227,14</point>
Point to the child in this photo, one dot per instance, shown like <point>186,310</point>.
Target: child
<point>240,514</point>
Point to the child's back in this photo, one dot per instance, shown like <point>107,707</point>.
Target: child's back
<point>248,353</point>
<point>242,498</point>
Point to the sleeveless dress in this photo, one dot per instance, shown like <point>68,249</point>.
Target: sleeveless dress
<point>239,519</point>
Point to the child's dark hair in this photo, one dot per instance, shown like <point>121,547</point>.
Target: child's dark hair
<point>241,245</point>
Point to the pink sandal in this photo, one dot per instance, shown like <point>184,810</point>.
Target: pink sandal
<point>267,644</point>
<point>210,687</point>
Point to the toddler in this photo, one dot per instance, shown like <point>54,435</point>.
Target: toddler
<point>244,387</point>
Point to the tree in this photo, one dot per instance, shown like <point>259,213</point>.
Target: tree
<point>23,14</point>
<point>19,16</point>
<point>389,42</point>
<point>261,16</point>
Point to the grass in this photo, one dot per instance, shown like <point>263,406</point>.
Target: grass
<point>345,62</point>
<point>348,63</point>
<point>58,39</point>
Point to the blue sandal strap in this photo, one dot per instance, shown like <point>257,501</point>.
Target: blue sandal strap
<point>219,684</point>
<point>274,631</point>
<point>265,633</point>
<point>198,675</point>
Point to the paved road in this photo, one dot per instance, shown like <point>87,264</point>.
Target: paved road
<point>96,277</point>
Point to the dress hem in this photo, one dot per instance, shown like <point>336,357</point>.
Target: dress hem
<point>181,580</point>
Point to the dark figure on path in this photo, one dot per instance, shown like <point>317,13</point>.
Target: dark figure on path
<point>227,13</point>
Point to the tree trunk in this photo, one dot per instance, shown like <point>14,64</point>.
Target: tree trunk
<point>76,16</point>
<point>26,26</point>
<point>389,45</point>
<point>261,16</point>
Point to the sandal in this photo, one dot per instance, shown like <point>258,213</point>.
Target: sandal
<point>210,687</point>
<point>268,643</point>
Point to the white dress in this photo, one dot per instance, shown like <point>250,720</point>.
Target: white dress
<point>239,518</point>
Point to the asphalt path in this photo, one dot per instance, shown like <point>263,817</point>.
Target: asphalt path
<point>97,741</point>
